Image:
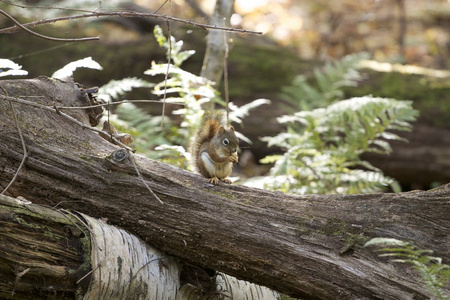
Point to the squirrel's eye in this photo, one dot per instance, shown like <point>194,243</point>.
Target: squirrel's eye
<point>226,141</point>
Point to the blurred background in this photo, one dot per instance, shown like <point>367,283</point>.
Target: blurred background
<point>407,43</point>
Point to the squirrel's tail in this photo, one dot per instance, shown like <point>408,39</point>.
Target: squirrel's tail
<point>211,121</point>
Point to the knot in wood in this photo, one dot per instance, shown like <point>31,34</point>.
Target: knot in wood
<point>119,156</point>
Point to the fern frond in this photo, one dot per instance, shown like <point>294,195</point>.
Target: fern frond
<point>176,55</point>
<point>237,113</point>
<point>146,129</point>
<point>67,70</point>
<point>10,68</point>
<point>324,145</point>
<point>326,85</point>
<point>116,88</point>
<point>433,272</point>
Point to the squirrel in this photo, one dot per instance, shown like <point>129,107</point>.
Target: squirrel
<point>214,149</point>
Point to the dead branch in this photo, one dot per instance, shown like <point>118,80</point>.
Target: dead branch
<point>128,14</point>
<point>45,36</point>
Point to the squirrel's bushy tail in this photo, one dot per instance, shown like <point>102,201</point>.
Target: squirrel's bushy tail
<point>210,122</point>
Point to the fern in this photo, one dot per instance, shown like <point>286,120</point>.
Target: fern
<point>114,89</point>
<point>10,68</point>
<point>67,70</point>
<point>173,48</point>
<point>167,143</point>
<point>323,146</point>
<point>181,87</point>
<point>433,272</point>
<point>146,129</point>
<point>329,81</point>
<point>191,91</point>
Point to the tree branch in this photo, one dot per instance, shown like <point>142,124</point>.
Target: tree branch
<point>44,36</point>
<point>127,14</point>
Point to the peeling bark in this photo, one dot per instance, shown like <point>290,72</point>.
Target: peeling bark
<point>305,246</point>
<point>41,252</point>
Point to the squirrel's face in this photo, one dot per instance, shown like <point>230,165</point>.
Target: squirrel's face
<point>231,146</point>
<point>228,140</point>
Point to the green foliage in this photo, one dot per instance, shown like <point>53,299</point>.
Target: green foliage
<point>433,272</point>
<point>329,82</point>
<point>173,47</point>
<point>189,90</point>
<point>67,70</point>
<point>323,146</point>
<point>238,113</point>
<point>114,89</point>
<point>146,129</point>
<point>165,140</point>
<point>324,141</point>
<point>181,87</point>
<point>10,68</point>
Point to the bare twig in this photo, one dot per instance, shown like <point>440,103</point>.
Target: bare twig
<point>55,109</point>
<point>225,77</point>
<point>169,59</point>
<point>162,5</point>
<point>127,14</point>
<point>48,49</point>
<point>142,179</point>
<point>89,273</point>
<point>25,152</point>
<point>43,7</point>
<point>114,103</point>
<point>44,36</point>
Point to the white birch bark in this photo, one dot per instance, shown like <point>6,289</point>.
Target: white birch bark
<point>125,267</point>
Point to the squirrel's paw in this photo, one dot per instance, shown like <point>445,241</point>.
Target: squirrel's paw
<point>233,158</point>
<point>214,180</point>
<point>227,181</point>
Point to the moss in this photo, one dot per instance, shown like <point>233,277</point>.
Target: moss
<point>353,237</point>
<point>86,158</point>
<point>301,228</point>
<point>334,227</point>
<point>353,242</point>
<point>222,193</point>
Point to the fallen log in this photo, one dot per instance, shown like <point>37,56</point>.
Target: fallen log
<point>50,253</point>
<point>305,246</point>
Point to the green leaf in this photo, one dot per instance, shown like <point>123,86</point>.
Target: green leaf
<point>116,88</point>
<point>10,68</point>
<point>67,70</point>
<point>379,241</point>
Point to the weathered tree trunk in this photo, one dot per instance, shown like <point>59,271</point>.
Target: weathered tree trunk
<point>38,247</point>
<point>56,254</point>
<point>305,246</point>
<point>217,45</point>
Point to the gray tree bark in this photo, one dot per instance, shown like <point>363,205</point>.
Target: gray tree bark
<point>304,246</point>
<point>48,253</point>
<point>40,245</point>
<point>217,45</point>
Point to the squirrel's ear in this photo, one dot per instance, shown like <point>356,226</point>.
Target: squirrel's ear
<point>221,130</point>
<point>232,128</point>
